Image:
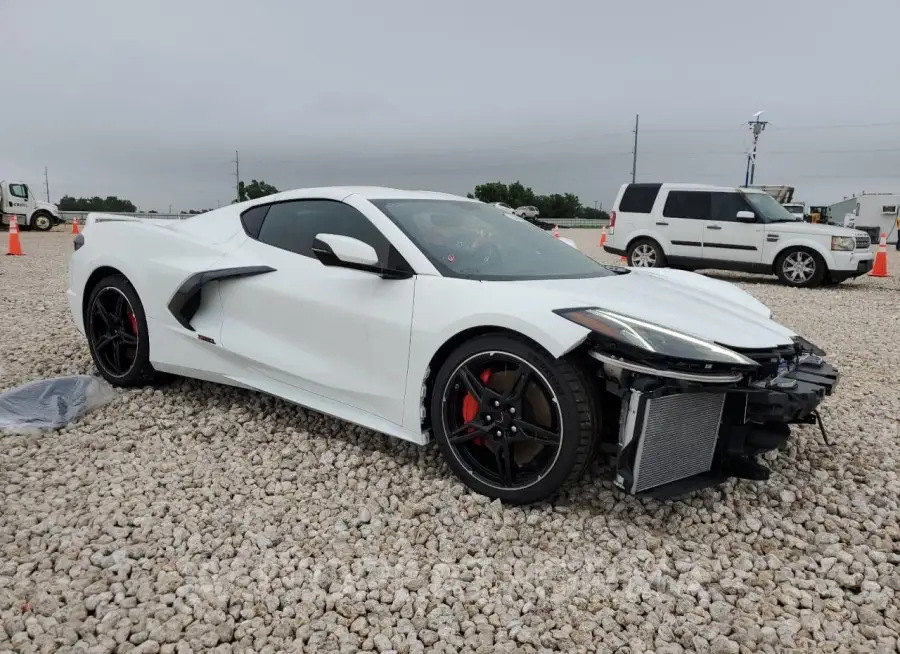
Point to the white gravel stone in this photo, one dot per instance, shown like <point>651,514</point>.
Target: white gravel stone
<point>196,518</point>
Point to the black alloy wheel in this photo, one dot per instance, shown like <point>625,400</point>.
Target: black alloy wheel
<point>116,329</point>
<point>512,422</point>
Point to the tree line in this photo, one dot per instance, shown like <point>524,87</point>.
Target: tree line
<point>515,194</point>
<point>555,205</point>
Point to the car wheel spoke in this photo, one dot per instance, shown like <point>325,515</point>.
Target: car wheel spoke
<point>520,384</point>
<point>128,339</point>
<point>103,313</point>
<point>467,432</point>
<point>473,384</point>
<point>527,431</point>
<point>105,341</point>
<point>504,462</point>
<point>117,355</point>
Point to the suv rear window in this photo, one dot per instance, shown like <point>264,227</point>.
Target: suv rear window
<point>639,198</point>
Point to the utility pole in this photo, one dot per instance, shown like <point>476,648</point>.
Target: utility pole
<point>237,176</point>
<point>634,151</point>
<point>47,183</point>
<point>756,126</point>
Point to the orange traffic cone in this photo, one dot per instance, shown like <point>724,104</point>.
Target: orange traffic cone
<point>603,236</point>
<point>15,247</point>
<point>556,231</point>
<point>623,260</point>
<point>880,267</point>
<point>75,225</point>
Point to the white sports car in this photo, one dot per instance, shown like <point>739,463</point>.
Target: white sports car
<point>426,315</point>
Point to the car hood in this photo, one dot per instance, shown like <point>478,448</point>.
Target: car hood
<point>687,302</point>
<point>813,229</point>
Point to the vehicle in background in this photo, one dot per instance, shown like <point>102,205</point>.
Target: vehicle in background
<point>783,193</point>
<point>527,211</point>
<point>876,214</point>
<point>797,209</point>
<point>697,226</point>
<point>17,199</point>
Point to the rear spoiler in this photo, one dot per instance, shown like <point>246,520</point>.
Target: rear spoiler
<point>101,217</point>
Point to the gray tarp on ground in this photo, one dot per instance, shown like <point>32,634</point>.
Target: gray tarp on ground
<point>48,404</point>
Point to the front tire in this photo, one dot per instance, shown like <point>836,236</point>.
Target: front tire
<point>43,222</point>
<point>800,268</point>
<point>117,334</point>
<point>512,422</point>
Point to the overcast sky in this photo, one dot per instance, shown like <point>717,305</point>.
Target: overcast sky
<point>150,100</point>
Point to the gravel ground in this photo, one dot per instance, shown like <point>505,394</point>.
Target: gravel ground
<point>203,518</point>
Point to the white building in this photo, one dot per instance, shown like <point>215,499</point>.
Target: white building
<point>875,212</point>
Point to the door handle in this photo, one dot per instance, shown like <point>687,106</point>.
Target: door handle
<point>713,227</point>
<point>662,223</point>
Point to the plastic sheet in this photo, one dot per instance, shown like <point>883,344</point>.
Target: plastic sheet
<point>49,404</point>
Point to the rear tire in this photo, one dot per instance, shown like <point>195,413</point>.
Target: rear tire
<point>646,253</point>
<point>135,368</point>
<point>553,418</point>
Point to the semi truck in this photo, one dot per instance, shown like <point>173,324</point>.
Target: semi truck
<point>17,199</point>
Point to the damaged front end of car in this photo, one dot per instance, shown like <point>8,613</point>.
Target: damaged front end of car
<point>693,413</point>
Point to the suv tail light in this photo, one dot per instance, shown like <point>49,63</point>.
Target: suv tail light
<point>612,222</point>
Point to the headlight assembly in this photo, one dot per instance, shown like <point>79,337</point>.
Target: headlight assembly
<point>653,339</point>
<point>843,243</point>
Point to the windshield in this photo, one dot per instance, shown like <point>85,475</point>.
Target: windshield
<point>769,209</point>
<point>478,241</point>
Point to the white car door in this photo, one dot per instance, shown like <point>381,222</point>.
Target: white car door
<point>681,224</point>
<point>726,238</point>
<point>340,333</point>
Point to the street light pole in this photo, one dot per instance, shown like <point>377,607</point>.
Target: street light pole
<point>756,126</point>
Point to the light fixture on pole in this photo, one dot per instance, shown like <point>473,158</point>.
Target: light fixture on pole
<point>756,126</point>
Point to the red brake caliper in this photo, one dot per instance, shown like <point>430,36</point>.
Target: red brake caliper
<point>133,321</point>
<point>470,405</point>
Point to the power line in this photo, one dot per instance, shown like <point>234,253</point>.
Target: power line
<point>756,126</point>
<point>237,175</point>
<point>634,151</point>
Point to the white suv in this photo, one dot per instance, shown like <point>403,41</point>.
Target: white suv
<point>694,226</point>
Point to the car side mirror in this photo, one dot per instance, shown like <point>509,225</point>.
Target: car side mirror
<point>348,252</point>
<point>746,217</point>
<point>338,250</point>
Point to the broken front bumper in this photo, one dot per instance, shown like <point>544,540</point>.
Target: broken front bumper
<point>676,438</point>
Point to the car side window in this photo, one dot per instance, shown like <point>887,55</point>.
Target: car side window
<point>19,191</point>
<point>687,204</point>
<point>252,220</point>
<point>293,226</point>
<point>724,206</point>
<point>639,198</point>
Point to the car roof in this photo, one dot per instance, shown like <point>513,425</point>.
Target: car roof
<point>368,192</point>
<point>685,186</point>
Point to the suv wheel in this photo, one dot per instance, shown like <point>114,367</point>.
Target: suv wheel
<point>646,254</point>
<point>800,268</point>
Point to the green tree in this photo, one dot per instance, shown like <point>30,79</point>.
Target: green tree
<point>255,189</point>
<point>111,203</point>
<point>516,194</point>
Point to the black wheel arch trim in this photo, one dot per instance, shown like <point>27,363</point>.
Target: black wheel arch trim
<point>185,301</point>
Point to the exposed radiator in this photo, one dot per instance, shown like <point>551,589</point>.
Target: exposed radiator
<point>676,436</point>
